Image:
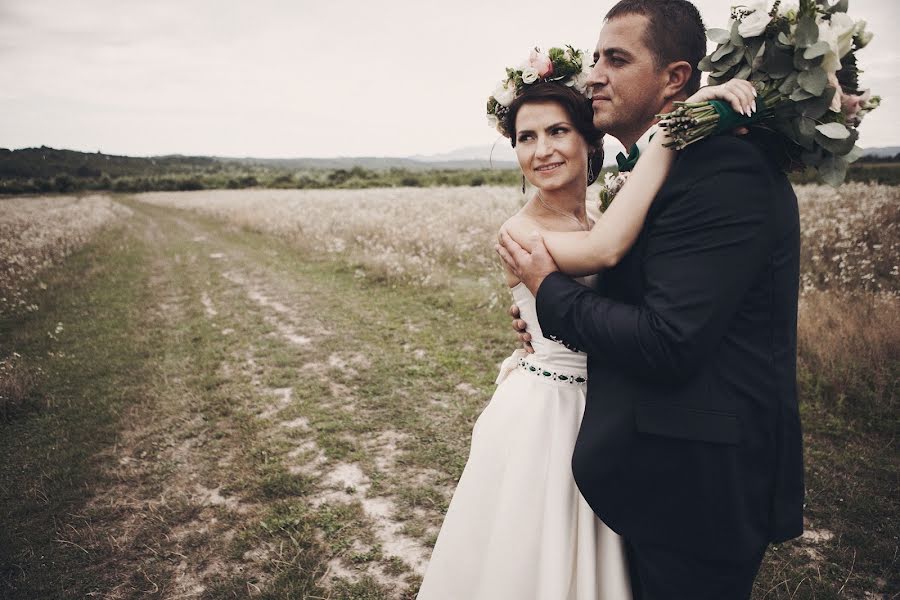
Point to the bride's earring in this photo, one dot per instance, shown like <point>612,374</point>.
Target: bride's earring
<point>523,183</point>
<point>590,169</point>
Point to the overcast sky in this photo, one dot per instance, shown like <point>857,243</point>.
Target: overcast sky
<point>297,78</point>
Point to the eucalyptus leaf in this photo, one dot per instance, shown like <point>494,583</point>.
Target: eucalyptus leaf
<point>736,37</point>
<point>814,158</point>
<point>807,32</point>
<point>834,131</point>
<point>789,84</point>
<point>718,36</point>
<point>814,108</point>
<point>705,64</point>
<point>784,40</point>
<point>833,170</point>
<point>806,126</point>
<point>800,95</point>
<point>805,64</point>
<point>722,51</point>
<point>743,72</point>
<point>777,62</point>
<point>762,49</point>
<point>817,49</point>
<point>838,147</point>
<point>723,75</point>
<point>813,81</point>
<point>854,154</point>
<point>804,132</point>
<point>732,59</point>
<point>839,6</point>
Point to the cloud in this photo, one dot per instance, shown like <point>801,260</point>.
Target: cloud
<point>296,78</point>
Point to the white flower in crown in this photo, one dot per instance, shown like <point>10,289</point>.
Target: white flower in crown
<point>505,93</point>
<point>564,66</point>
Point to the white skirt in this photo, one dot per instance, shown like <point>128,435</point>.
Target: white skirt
<point>517,527</point>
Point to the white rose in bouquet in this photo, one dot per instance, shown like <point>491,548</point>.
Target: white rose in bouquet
<point>863,37</point>
<point>754,23</point>
<point>845,28</point>
<point>788,9</point>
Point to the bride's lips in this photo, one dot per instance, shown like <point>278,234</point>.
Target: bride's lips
<point>548,167</point>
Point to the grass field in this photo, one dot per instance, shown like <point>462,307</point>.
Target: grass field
<point>270,394</point>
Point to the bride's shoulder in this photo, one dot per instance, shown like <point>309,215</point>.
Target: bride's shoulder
<point>519,227</point>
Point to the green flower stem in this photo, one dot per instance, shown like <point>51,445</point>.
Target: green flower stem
<point>691,122</point>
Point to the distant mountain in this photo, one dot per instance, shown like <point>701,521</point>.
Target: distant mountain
<point>498,153</point>
<point>375,163</point>
<point>502,154</point>
<point>46,162</point>
<point>885,152</point>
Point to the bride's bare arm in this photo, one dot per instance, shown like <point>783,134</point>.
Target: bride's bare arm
<point>583,253</point>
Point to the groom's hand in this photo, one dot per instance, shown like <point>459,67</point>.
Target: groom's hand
<point>521,328</point>
<point>530,267</point>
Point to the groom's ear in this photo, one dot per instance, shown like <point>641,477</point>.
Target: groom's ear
<point>677,76</point>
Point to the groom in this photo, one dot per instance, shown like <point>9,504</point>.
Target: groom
<point>690,446</point>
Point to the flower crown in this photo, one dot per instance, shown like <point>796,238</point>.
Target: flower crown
<point>562,65</point>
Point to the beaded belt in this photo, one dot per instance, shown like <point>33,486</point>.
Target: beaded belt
<point>552,375</point>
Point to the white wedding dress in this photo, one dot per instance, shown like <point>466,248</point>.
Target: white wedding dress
<point>517,527</point>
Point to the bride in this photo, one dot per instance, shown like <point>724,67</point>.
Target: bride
<point>517,527</point>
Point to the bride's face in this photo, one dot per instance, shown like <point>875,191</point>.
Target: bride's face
<point>552,153</point>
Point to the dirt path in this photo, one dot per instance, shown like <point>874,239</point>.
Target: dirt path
<point>269,342</point>
<point>296,439</point>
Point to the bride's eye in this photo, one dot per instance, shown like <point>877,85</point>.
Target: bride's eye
<point>523,137</point>
<point>559,130</point>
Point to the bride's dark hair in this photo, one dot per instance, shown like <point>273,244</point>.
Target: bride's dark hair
<point>576,106</point>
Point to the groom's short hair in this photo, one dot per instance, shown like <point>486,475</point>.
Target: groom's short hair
<point>674,32</point>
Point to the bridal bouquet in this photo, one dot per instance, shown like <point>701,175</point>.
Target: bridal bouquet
<point>803,63</point>
<point>564,65</point>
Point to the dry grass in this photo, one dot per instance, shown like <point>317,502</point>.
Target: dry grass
<point>404,234</point>
<point>849,354</point>
<point>850,237</point>
<point>37,232</point>
<point>17,383</point>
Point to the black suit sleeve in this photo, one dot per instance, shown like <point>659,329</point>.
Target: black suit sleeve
<point>703,251</point>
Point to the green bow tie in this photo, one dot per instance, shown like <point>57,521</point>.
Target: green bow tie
<point>626,163</point>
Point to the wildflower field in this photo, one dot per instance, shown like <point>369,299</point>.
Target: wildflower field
<point>270,393</point>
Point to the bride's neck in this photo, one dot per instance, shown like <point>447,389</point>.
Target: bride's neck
<point>565,201</point>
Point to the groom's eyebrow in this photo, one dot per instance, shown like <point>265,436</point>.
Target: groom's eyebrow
<point>608,52</point>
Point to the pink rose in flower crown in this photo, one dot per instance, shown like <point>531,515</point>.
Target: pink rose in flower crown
<point>541,63</point>
<point>851,104</point>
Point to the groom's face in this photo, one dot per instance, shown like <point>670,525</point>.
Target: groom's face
<point>627,84</point>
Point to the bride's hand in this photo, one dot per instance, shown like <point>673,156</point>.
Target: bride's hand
<point>740,94</point>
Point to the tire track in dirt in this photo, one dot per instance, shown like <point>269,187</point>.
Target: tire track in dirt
<point>190,508</point>
<point>342,482</point>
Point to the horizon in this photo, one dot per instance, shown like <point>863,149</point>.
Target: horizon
<point>240,81</point>
<point>435,157</point>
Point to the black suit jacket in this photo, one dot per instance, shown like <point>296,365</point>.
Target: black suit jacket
<point>691,434</point>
